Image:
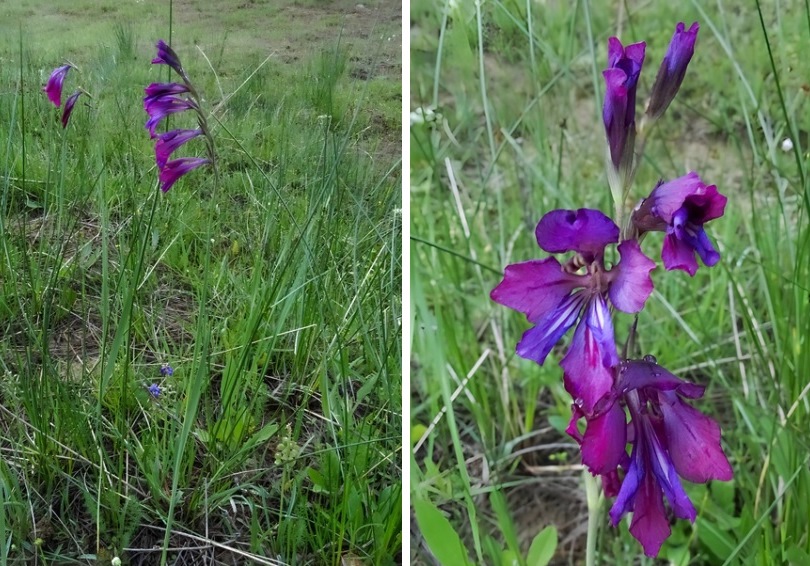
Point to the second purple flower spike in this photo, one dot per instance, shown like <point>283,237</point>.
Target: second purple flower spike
<point>163,99</point>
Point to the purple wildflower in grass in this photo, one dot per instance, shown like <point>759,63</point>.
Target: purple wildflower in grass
<point>173,170</point>
<point>680,208</point>
<point>672,70</point>
<point>154,390</point>
<point>69,104</point>
<point>167,56</point>
<point>170,141</point>
<point>53,88</point>
<point>554,297</point>
<point>160,107</point>
<point>669,439</point>
<point>619,110</point>
<point>166,370</point>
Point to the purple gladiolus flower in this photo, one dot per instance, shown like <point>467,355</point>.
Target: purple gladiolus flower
<point>619,110</point>
<point>554,297</point>
<point>680,208</point>
<point>166,370</point>
<point>669,438</point>
<point>167,56</point>
<point>160,107</point>
<point>53,88</point>
<point>69,104</point>
<point>170,141</point>
<point>673,69</point>
<point>157,91</point>
<point>175,169</point>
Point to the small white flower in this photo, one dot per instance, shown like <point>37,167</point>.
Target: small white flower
<point>423,116</point>
<point>115,561</point>
<point>787,145</point>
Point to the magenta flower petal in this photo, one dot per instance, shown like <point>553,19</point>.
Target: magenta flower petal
<point>177,168</point>
<point>694,442</point>
<point>632,284</point>
<point>585,231</point>
<point>535,287</point>
<point>673,69</point>
<point>587,365</point>
<point>537,342</point>
<point>650,525</point>
<point>53,88</point>
<point>170,141</point>
<point>664,470</point>
<point>167,56</point>
<point>677,254</point>
<point>684,239</point>
<point>604,442</point>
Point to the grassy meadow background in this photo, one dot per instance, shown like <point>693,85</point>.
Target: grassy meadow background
<point>507,96</point>
<point>273,293</point>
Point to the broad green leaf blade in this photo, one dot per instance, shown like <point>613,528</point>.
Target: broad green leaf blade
<point>442,540</point>
<point>542,547</point>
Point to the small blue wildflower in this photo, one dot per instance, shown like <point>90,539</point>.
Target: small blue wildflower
<point>154,389</point>
<point>166,370</point>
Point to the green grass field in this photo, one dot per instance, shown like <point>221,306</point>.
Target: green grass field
<point>272,289</point>
<point>514,93</point>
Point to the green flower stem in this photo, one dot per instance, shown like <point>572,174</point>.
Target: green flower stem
<point>594,498</point>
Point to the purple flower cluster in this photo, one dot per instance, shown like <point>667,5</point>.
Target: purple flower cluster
<point>668,438</point>
<point>165,371</point>
<point>164,99</point>
<point>53,89</point>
